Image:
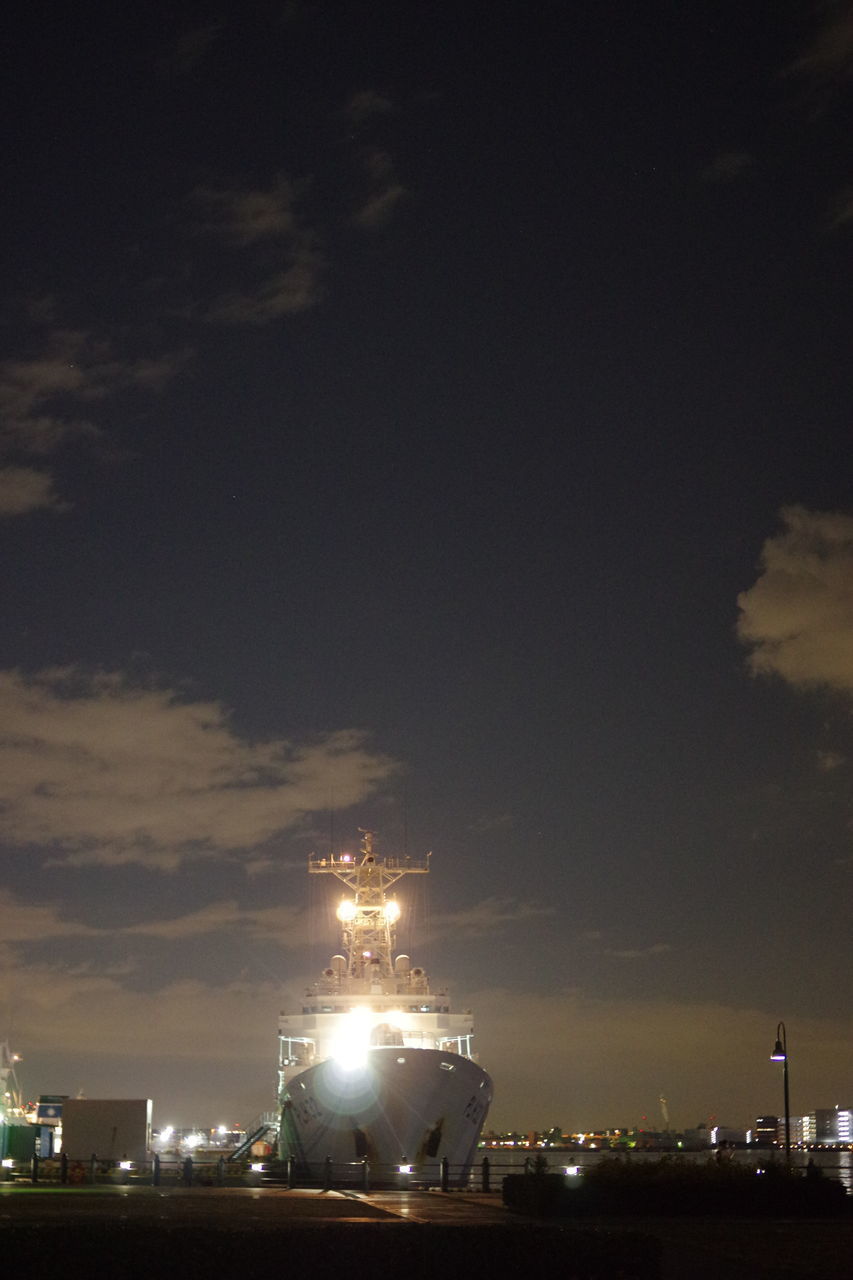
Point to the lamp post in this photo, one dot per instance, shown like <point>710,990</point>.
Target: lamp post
<point>780,1054</point>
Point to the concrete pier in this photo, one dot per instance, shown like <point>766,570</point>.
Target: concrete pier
<point>210,1230</point>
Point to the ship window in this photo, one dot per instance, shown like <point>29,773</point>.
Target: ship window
<point>425,1008</point>
<point>413,1008</point>
<point>445,1066</point>
<point>326,1008</point>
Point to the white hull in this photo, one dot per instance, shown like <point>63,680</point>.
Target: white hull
<point>406,1106</point>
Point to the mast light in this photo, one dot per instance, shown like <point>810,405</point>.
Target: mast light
<point>346,910</point>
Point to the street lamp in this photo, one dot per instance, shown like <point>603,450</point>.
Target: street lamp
<point>780,1054</point>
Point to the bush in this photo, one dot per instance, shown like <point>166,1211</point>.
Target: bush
<point>673,1186</point>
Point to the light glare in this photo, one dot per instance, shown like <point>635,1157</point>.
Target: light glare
<point>350,1045</point>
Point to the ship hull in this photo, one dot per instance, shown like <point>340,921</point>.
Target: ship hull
<point>403,1107</point>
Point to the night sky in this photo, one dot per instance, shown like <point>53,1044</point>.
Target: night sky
<point>432,418</point>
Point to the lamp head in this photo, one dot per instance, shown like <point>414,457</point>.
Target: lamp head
<point>778,1054</point>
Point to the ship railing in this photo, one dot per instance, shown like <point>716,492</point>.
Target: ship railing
<point>354,861</point>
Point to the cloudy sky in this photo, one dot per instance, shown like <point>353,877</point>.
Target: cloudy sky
<point>431,418</point>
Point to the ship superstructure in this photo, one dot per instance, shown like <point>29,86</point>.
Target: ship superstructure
<point>376,1065</point>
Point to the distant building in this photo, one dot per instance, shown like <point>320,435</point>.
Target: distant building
<point>766,1130</point>
<point>833,1126</point>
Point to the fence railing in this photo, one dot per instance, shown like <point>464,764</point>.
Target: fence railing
<point>484,1175</point>
<point>67,1171</point>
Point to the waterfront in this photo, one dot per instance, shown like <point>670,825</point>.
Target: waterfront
<point>503,1160</point>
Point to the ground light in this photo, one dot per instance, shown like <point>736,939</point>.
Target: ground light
<point>780,1054</point>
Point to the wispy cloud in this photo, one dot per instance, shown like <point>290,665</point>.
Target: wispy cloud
<point>24,489</point>
<point>489,916</point>
<point>828,57</point>
<point>26,922</point>
<point>270,244</point>
<point>842,212</point>
<point>797,619</point>
<point>110,773</point>
<point>366,105</point>
<point>492,822</point>
<point>286,292</point>
<point>244,216</point>
<point>829,761</point>
<point>384,191</point>
<point>190,49</point>
<point>88,1012</point>
<point>727,167</point>
<point>638,953</point>
<point>48,399</point>
<point>286,925</point>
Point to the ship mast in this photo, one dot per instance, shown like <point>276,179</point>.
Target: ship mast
<point>368,918</point>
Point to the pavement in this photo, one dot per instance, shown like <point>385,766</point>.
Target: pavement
<point>692,1249</point>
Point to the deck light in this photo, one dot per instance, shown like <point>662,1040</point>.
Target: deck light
<point>346,910</point>
<point>350,1045</point>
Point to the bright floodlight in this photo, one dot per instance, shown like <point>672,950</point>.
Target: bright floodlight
<point>392,910</point>
<point>346,911</point>
<point>350,1044</point>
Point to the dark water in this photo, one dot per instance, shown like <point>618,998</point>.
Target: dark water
<point>835,1164</point>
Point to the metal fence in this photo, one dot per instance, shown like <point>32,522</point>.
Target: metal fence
<point>485,1175</point>
<point>65,1170</point>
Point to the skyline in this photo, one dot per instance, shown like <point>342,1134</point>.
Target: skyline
<point>436,423</point>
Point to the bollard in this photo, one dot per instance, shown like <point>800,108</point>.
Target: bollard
<point>291,1173</point>
<point>487,1168</point>
<point>188,1171</point>
<point>365,1173</point>
<point>34,1171</point>
<point>327,1174</point>
<point>445,1173</point>
<point>63,1169</point>
<point>93,1160</point>
<point>220,1171</point>
<point>155,1170</point>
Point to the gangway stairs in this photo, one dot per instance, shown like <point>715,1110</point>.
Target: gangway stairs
<point>262,1129</point>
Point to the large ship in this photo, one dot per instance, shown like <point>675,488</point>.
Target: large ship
<point>376,1067</point>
